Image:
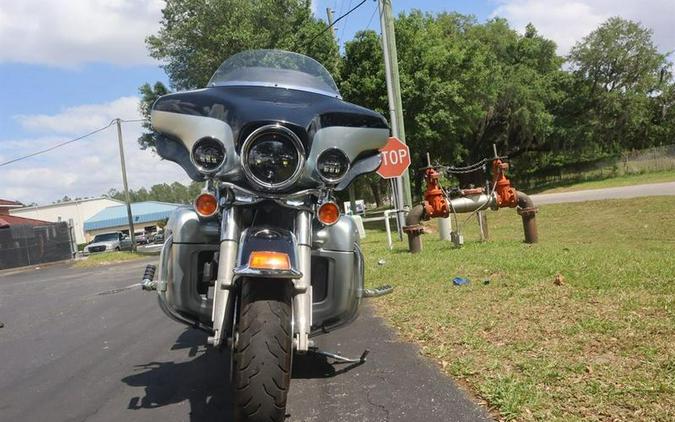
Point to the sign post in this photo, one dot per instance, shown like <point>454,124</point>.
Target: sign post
<point>401,184</point>
<point>395,162</point>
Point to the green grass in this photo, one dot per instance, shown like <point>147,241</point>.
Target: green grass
<point>613,182</point>
<point>106,258</point>
<point>601,346</point>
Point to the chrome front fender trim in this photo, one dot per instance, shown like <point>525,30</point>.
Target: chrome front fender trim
<point>270,239</point>
<point>246,271</point>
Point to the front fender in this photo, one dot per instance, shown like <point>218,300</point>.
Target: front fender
<point>267,239</point>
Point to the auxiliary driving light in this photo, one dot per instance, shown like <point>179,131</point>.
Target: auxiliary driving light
<point>265,260</point>
<point>328,213</point>
<point>206,204</point>
<point>208,155</point>
<point>333,165</point>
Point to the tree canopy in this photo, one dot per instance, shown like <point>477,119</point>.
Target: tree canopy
<point>196,36</point>
<point>619,75</point>
<point>465,85</point>
<point>175,192</point>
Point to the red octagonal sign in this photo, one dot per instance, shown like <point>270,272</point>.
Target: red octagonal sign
<point>395,159</point>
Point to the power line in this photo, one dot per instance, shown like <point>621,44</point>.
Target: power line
<point>309,44</point>
<point>58,145</point>
<point>342,6</point>
<point>372,16</point>
<point>134,120</point>
<point>342,33</point>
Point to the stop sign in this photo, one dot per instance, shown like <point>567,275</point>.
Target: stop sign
<point>395,159</point>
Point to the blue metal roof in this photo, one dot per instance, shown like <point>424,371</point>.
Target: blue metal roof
<point>142,212</point>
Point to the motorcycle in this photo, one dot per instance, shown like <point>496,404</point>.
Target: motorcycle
<point>264,261</point>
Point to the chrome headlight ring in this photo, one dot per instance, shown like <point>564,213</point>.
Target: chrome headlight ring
<point>277,130</point>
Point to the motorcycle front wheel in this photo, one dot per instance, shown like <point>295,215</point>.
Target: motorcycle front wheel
<point>263,351</point>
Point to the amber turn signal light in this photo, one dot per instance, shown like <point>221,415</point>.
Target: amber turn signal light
<point>206,204</point>
<point>329,213</point>
<point>265,260</point>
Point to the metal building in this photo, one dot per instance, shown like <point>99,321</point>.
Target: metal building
<point>146,216</point>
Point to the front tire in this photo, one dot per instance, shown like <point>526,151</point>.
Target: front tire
<point>263,351</point>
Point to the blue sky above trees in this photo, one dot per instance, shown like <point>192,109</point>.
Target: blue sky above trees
<point>66,70</point>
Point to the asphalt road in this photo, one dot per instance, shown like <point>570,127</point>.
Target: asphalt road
<point>78,345</point>
<point>623,192</point>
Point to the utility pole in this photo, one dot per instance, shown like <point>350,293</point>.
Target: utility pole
<point>329,13</point>
<point>402,184</point>
<point>126,186</point>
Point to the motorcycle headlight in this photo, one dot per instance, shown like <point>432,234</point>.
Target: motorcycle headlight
<point>208,155</point>
<point>332,165</point>
<point>272,157</point>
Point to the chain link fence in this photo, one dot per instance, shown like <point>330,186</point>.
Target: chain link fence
<point>651,160</point>
<point>24,244</point>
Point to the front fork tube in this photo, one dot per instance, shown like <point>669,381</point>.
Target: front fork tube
<point>222,300</point>
<point>302,301</point>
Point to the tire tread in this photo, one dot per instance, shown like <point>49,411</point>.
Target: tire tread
<point>262,356</point>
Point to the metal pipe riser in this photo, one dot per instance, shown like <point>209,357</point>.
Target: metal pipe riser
<point>414,229</point>
<point>528,212</point>
<point>530,229</point>
<point>415,241</point>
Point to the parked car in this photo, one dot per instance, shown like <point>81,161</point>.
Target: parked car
<point>141,238</point>
<point>114,241</point>
<point>158,237</point>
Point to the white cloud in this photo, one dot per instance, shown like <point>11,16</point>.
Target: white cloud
<point>567,22</point>
<point>86,168</point>
<point>69,33</point>
<point>81,119</point>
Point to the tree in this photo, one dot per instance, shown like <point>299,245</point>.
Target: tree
<point>663,120</point>
<point>174,193</point>
<point>619,56</point>
<point>362,72</point>
<point>363,82</point>
<point>620,74</point>
<point>149,95</point>
<point>464,85</point>
<point>196,36</point>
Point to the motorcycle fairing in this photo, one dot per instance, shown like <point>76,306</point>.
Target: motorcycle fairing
<point>231,113</point>
<point>244,108</point>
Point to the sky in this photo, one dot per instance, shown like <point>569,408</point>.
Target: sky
<point>67,68</point>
